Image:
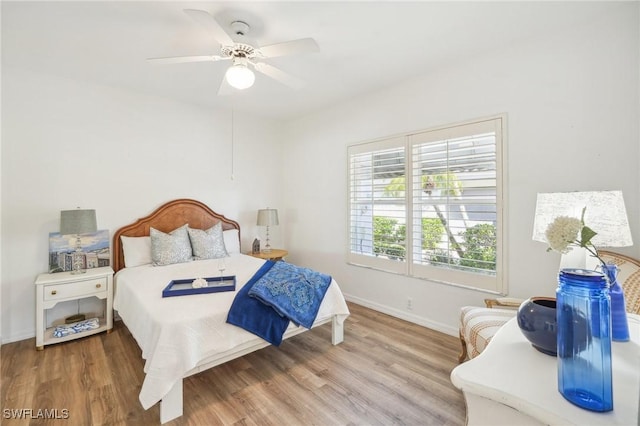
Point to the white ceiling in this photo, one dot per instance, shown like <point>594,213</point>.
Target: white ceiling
<point>364,46</point>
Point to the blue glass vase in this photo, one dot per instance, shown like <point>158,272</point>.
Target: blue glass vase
<point>619,324</point>
<point>584,339</point>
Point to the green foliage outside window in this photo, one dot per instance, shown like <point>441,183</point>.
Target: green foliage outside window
<point>479,247</point>
<point>388,237</point>
<point>432,231</point>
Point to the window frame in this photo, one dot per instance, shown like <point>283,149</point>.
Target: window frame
<point>450,276</point>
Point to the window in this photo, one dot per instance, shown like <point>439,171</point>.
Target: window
<point>444,223</point>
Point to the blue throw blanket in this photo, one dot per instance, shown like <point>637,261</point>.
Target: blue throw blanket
<point>277,293</point>
<point>254,316</point>
<point>292,291</point>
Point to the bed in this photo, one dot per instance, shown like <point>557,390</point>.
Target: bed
<point>182,336</point>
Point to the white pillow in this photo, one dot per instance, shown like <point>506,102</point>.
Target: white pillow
<point>174,247</point>
<point>231,240</point>
<point>207,244</point>
<point>137,251</point>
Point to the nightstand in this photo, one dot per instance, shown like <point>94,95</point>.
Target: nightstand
<point>52,289</point>
<point>274,254</point>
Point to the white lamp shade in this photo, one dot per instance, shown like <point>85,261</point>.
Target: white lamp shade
<point>605,213</point>
<point>240,76</point>
<point>78,221</point>
<point>267,217</point>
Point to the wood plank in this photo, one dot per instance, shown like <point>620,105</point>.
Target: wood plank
<point>387,371</point>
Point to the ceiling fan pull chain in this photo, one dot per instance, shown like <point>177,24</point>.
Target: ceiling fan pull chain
<point>232,141</point>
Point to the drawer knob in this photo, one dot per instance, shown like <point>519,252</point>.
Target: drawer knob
<point>54,292</point>
<point>98,285</point>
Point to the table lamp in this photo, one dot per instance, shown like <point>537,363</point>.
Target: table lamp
<point>77,222</point>
<point>267,217</point>
<point>606,214</point>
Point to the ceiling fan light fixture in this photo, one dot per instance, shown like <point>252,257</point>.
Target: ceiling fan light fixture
<point>240,76</point>
<point>242,54</point>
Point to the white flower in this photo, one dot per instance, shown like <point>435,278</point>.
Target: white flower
<point>562,232</point>
<point>199,283</point>
<point>565,231</point>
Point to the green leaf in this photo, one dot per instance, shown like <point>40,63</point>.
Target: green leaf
<point>586,235</point>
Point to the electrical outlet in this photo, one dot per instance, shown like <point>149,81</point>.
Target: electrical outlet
<point>410,304</point>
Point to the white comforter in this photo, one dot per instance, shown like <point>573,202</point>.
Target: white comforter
<point>176,333</point>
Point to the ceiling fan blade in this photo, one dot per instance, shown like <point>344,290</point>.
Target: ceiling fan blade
<point>183,59</point>
<point>279,75</point>
<point>294,47</point>
<point>210,24</point>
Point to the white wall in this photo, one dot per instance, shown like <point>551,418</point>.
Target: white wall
<point>67,144</point>
<point>572,101</point>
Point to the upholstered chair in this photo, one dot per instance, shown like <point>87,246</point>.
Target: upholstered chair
<point>478,325</point>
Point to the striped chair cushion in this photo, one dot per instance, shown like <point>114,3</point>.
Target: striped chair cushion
<point>478,325</point>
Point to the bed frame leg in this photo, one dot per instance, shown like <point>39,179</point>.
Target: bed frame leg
<point>171,404</point>
<point>337,331</point>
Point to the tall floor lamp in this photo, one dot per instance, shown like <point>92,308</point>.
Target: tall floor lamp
<point>77,222</point>
<point>267,217</point>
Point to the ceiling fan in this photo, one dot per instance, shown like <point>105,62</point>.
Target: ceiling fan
<point>243,55</point>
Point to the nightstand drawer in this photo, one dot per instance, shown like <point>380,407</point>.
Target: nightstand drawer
<point>62,291</point>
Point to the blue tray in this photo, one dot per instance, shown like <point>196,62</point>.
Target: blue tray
<point>215,285</point>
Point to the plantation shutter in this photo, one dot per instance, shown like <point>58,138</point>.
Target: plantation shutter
<point>377,205</point>
<point>455,201</point>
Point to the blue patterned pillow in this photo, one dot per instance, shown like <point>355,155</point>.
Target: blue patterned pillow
<point>170,248</point>
<point>208,244</point>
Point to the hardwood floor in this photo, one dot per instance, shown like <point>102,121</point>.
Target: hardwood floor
<point>387,371</point>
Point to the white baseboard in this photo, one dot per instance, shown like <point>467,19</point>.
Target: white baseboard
<point>425,322</point>
<point>20,336</point>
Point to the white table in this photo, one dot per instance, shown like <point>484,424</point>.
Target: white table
<point>511,383</point>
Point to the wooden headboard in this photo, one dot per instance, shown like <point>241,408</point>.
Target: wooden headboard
<point>166,218</point>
